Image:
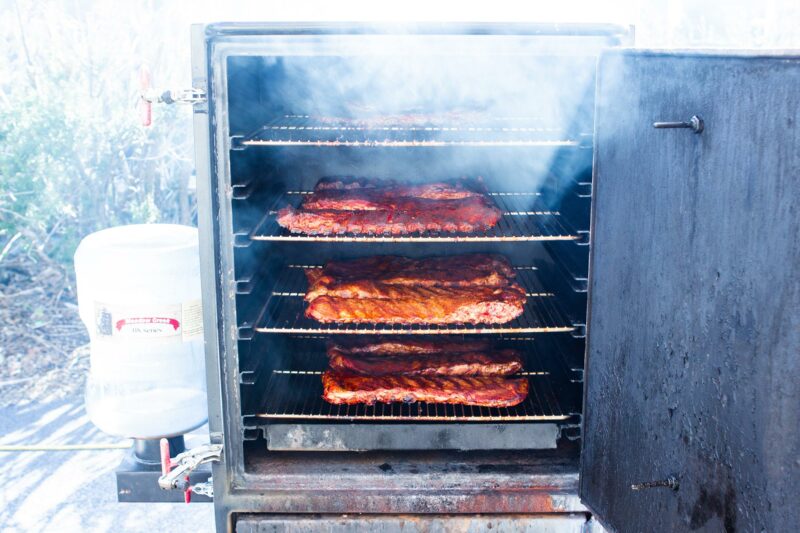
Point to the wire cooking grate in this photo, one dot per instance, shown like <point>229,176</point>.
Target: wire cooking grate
<point>283,312</point>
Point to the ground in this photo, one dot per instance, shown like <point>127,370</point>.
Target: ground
<point>44,359</point>
<point>44,353</point>
<point>66,491</point>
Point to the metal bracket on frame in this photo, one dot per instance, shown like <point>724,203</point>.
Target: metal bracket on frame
<point>583,237</point>
<point>236,142</point>
<point>573,432</point>
<point>580,331</point>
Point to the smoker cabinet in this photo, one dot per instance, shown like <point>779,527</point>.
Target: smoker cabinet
<point>689,384</point>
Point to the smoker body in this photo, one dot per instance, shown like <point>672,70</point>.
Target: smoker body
<point>291,462</point>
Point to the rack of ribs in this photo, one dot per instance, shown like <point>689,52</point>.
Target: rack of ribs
<point>495,363</point>
<point>398,198</point>
<point>438,358</point>
<point>405,345</point>
<point>422,305</point>
<point>458,188</point>
<point>348,279</point>
<point>366,206</point>
<point>485,391</point>
<point>470,289</point>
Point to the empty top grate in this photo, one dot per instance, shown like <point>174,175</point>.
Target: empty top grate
<point>306,130</point>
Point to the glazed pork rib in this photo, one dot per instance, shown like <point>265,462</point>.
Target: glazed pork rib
<point>380,200</point>
<point>404,345</point>
<point>394,268</point>
<point>497,363</point>
<point>485,391</point>
<point>399,198</point>
<point>457,188</point>
<point>466,215</point>
<point>369,206</point>
<point>361,278</point>
<point>349,182</point>
<point>394,304</point>
<point>474,288</point>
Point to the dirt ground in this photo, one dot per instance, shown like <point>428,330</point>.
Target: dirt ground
<point>63,491</point>
<point>44,352</point>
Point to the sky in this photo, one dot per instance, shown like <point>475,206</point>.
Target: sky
<point>659,23</point>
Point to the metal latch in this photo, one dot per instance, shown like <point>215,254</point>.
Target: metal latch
<point>174,96</point>
<point>175,470</point>
<point>149,96</point>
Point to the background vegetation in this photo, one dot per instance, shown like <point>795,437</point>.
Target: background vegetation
<point>75,158</point>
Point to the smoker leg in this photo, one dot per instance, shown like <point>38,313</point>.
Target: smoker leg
<point>593,526</point>
<point>225,522</point>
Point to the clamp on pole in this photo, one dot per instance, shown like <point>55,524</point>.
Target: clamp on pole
<point>175,470</point>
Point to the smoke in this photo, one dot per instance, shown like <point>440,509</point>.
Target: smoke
<point>501,77</point>
<point>489,87</point>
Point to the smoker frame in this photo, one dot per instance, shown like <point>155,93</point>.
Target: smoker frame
<point>427,485</point>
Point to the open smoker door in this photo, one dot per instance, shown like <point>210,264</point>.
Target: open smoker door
<point>693,355</point>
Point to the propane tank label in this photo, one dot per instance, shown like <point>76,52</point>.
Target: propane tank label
<point>142,322</point>
<point>192,316</point>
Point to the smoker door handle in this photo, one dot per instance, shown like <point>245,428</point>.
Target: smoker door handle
<point>695,124</point>
<point>671,482</point>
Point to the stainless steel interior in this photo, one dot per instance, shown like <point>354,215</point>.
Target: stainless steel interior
<point>291,125</point>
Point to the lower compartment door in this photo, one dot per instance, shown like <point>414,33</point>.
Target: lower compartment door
<point>692,396</point>
<point>542,523</point>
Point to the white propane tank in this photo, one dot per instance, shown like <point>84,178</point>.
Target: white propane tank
<point>139,297</point>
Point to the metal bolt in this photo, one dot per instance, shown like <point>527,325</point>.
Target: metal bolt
<point>695,124</point>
